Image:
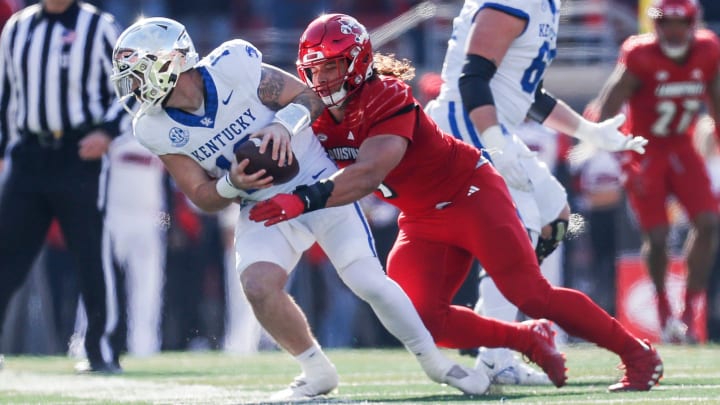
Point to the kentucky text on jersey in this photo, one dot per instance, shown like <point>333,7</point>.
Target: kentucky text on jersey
<point>680,89</point>
<point>230,132</point>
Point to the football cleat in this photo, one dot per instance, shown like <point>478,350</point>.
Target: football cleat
<point>470,382</point>
<point>443,371</point>
<point>543,352</point>
<point>504,368</point>
<point>643,370</point>
<point>305,387</point>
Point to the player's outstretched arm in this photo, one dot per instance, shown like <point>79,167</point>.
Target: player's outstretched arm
<point>605,135</point>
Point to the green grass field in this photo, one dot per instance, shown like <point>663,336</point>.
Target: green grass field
<point>692,376</point>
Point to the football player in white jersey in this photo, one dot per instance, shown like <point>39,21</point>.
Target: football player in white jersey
<point>492,79</point>
<point>192,114</point>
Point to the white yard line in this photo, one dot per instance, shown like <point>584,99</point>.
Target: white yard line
<point>115,388</point>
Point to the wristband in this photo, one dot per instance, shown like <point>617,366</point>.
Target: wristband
<point>294,117</point>
<point>543,105</point>
<point>315,196</point>
<point>227,189</point>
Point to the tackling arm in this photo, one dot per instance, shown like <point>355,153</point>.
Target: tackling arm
<point>376,157</point>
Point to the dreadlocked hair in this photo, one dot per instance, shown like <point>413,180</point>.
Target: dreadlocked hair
<point>388,65</point>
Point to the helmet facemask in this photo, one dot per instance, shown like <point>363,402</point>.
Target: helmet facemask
<point>338,39</point>
<point>147,60</point>
<point>333,92</point>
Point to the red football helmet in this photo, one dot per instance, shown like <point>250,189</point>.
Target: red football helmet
<point>674,22</point>
<point>341,38</point>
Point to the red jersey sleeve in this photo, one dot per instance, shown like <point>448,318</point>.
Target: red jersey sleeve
<point>631,53</point>
<point>712,48</point>
<point>391,109</point>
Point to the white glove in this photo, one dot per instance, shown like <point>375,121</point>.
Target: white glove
<point>605,135</point>
<point>506,157</point>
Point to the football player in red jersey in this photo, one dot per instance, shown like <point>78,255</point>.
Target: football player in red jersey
<point>454,206</point>
<point>664,77</point>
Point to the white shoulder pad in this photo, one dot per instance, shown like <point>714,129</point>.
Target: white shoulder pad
<point>235,59</point>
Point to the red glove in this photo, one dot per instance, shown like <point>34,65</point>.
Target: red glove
<point>277,209</point>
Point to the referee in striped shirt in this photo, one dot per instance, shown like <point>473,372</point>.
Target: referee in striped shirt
<point>57,97</point>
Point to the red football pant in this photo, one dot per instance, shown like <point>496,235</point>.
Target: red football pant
<point>432,255</point>
<point>675,169</point>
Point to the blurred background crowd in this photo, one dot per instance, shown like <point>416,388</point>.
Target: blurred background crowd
<point>200,303</point>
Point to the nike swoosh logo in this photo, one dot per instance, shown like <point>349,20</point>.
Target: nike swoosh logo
<point>316,175</point>
<point>227,100</point>
<point>489,365</point>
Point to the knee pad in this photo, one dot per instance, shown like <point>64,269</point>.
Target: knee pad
<point>544,246</point>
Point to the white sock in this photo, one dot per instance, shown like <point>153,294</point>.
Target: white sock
<point>395,311</point>
<point>313,359</point>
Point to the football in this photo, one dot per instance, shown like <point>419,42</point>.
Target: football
<point>250,149</point>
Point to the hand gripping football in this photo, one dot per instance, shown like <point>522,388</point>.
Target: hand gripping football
<point>251,150</point>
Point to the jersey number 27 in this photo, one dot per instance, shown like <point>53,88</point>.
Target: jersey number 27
<point>667,110</point>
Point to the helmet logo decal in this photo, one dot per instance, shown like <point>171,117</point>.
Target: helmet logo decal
<point>179,137</point>
<point>346,27</point>
<point>351,26</point>
<point>655,13</point>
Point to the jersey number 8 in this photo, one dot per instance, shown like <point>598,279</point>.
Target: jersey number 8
<point>534,73</point>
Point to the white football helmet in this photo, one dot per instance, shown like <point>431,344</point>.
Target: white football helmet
<point>147,59</point>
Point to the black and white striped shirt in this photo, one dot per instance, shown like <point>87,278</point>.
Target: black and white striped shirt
<point>55,71</point>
